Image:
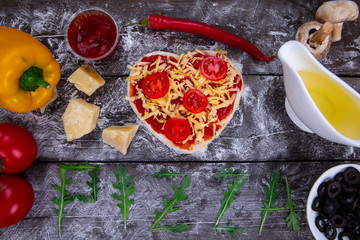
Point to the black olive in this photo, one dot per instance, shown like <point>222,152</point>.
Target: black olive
<point>325,218</point>
<point>348,187</point>
<point>333,189</point>
<point>356,204</point>
<point>330,206</point>
<point>316,205</point>
<point>339,177</point>
<point>320,224</point>
<point>352,175</point>
<point>330,232</point>
<point>345,235</point>
<point>352,227</point>
<point>322,189</point>
<point>338,221</point>
<point>348,200</point>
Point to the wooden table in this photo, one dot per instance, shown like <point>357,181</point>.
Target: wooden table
<point>259,138</point>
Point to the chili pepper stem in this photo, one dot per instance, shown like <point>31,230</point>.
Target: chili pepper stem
<point>32,79</point>
<point>132,24</point>
<point>143,22</point>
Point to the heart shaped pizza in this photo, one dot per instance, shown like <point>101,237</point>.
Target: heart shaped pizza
<point>185,100</point>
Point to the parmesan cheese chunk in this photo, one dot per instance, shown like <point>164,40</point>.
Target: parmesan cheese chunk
<point>79,118</point>
<point>119,137</point>
<point>86,79</point>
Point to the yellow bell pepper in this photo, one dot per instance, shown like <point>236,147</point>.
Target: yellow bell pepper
<point>28,71</point>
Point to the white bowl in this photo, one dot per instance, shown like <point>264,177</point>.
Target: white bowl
<point>311,214</point>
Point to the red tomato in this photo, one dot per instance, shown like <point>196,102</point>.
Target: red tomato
<point>16,199</point>
<point>177,129</point>
<point>195,101</point>
<point>213,68</point>
<point>18,148</point>
<point>155,85</point>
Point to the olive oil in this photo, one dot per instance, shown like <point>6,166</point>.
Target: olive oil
<point>338,105</point>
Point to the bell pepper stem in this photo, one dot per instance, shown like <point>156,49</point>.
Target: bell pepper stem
<point>32,79</point>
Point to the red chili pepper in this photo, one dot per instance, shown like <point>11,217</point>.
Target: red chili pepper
<point>156,21</point>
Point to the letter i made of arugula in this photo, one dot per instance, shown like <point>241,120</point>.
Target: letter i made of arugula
<point>124,187</point>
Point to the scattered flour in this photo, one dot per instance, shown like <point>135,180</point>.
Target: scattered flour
<point>275,33</point>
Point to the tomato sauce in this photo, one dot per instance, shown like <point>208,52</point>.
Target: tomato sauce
<point>187,146</point>
<point>151,59</point>
<point>92,34</point>
<point>196,62</point>
<point>155,124</point>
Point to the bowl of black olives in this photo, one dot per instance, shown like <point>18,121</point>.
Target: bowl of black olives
<point>333,205</point>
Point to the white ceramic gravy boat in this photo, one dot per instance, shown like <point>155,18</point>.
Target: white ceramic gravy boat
<point>299,104</point>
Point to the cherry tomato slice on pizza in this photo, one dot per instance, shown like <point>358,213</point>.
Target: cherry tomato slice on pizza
<point>155,85</point>
<point>213,68</point>
<point>195,101</point>
<point>177,129</point>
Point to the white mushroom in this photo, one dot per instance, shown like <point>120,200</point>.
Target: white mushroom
<point>316,37</point>
<point>337,12</point>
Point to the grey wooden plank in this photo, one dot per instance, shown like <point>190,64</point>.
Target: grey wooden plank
<point>267,24</point>
<point>259,130</point>
<point>103,219</point>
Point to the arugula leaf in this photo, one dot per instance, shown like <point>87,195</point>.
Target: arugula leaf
<point>65,197</point>
<point>230,195</point>
<point>231,230</point>
<point>80,167</point>
<point>272,192</point>
<point>293,219</point>
<point>127,188</point>
<point>174,228</point>
<point>95,180</point>
<point>166,174</point>
<point>93,184</point>
<point>169,207</point>
<point>227,173</point>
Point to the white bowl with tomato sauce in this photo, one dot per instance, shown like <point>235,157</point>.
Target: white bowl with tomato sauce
<point>311,214</point>
<point>92,34</point>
